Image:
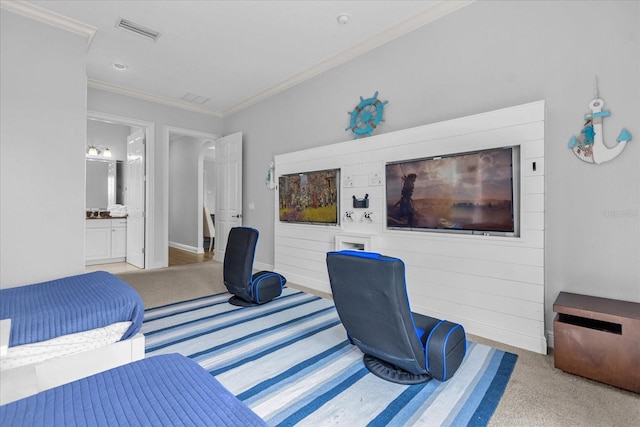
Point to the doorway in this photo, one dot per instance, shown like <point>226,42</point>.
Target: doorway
<point>190,146</point>
<point>188,190</point>
<point>142,228</point>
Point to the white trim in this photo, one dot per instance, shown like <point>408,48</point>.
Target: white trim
<point>430,15</point>
<point>186,248</point>
<point>150,155</point>
<point>550,338</point>
<point>5,333</point>
<point>191,132</point>
<point>50,18</point>
<point>262,266</point>
<point>145,96</point>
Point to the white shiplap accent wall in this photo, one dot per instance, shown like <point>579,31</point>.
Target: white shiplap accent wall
<point>492,285</point>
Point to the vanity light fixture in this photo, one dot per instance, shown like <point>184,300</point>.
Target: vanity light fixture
<point>92,150</point>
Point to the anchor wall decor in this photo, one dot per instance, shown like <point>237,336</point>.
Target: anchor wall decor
<point>589,146</point>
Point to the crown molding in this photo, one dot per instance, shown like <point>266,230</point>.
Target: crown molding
<point>438,11</point>
<point>34,12</point>
<point>134,93</point>
<point>50,18</point>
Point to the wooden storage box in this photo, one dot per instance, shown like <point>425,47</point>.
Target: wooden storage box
<point>598,338</point>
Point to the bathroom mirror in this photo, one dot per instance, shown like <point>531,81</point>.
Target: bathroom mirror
<point>104,183</point>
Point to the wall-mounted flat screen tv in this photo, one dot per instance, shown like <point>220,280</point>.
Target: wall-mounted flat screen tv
<point>474,192</point>
<point>309,197</point>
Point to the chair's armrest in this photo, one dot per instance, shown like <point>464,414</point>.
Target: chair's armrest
<point>5,334</point>
<point>424,325</point>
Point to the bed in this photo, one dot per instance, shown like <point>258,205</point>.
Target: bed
<point>161,390</point>
<point>67,328</point>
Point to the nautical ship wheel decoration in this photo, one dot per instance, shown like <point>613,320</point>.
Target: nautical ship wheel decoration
<point>366,116</point>
<point>589,146</point>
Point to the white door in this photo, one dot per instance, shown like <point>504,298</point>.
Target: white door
<point>135,198</point>
<point>228,189</point>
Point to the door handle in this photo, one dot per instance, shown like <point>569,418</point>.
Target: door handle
<point>237,216</point>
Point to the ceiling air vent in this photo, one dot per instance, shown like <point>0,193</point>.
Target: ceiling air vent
<point>196,99</point>
<point>138,29</point>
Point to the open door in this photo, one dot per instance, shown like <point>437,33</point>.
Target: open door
<point>135,198</point>
<point>228,189</point>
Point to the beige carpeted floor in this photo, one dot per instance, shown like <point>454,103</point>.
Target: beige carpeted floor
<point>164,286</point>
<point>537,395</point>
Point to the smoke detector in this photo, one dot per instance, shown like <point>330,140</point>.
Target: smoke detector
<point>343,18</point>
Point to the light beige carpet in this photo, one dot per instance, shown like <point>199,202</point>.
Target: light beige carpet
<point>169,285</point>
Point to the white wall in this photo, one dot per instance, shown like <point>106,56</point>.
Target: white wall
<point>42,161</point>
<point>492,285</point>
<point>162,116</point>
<point>114,136</point>
<point>487,56</point>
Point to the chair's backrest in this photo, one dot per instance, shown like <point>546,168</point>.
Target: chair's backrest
<point>370,295</point>
<point>238,258</point>
<point>207,223</point>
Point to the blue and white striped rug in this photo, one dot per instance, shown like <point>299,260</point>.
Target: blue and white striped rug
<point>290,362</point>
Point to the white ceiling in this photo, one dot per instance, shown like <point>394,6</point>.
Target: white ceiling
<point>233,52</point>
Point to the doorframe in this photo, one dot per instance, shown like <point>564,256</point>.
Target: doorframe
<point>167,131</point>
<point>149,158</point>
<point>202,158</point>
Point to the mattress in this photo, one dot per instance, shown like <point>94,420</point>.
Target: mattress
<point>160,391</point>
<point>46,310</point>
<point>63,345</point>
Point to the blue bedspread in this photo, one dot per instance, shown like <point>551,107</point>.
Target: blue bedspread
<point>72,304</point>
<point>166,390</point>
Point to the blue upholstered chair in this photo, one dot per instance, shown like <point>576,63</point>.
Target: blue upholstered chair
<point>247,288</point>
<point>370,295</point>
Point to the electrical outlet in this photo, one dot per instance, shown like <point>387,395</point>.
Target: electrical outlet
<point>375,179</point>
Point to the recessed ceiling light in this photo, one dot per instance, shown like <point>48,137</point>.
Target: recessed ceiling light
<point>119,67</point>
<point>343,18</point>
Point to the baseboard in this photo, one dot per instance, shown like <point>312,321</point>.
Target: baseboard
<point>105,261</point>
<point>262,266</point>
<point>186,248</point>
<point>534,343</point>
<point>315,285</point>
<point>550,342</point>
